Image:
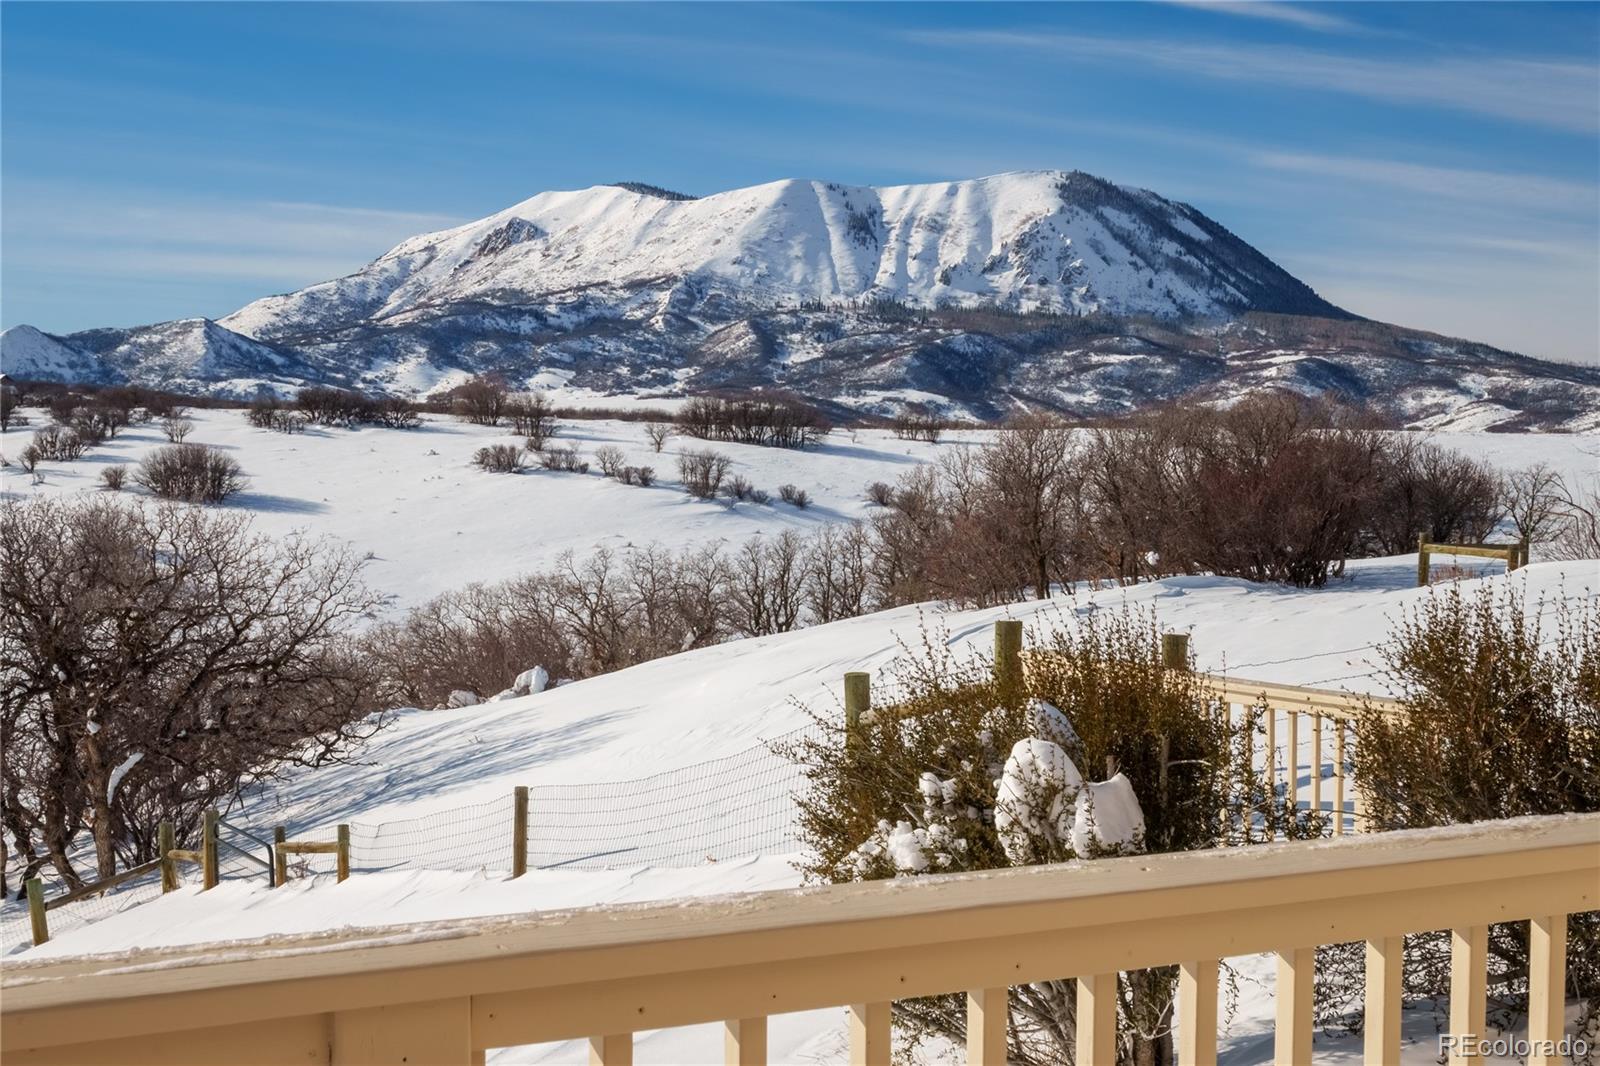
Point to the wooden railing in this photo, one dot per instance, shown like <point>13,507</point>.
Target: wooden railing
<point>447,991</point>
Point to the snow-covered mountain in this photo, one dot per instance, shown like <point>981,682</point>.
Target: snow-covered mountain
<point>1046,287</point>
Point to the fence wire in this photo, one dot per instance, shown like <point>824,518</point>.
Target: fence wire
<point>732,807</point>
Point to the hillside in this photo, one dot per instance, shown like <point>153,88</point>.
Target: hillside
<point>1047,289</point>
<point>432,522</point>
<point>718,702</point>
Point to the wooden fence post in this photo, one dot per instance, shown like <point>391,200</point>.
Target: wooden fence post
<point>519,831</point>
<point>857,697</point>
<point>165,842</point>
<point>41,927</point>
<point>280,861</point>
<point>344,852</point>
<point>1175,651</point>
<point>1422,560</point>
<point>208,849</point>
<point>1008,652</point>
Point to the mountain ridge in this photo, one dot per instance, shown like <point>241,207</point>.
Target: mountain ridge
<point>629,288</point>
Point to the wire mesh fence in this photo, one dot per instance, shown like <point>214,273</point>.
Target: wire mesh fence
<point>736,806</point>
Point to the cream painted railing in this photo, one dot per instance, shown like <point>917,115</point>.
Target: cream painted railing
<point>445,992</point>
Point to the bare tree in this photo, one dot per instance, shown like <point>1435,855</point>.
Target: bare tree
<point>657,433</point>
<point>532,416</point>
<point>177,428</point>
<point>1578,530</point>
<point>1533,499</point>
<point>157,659</point>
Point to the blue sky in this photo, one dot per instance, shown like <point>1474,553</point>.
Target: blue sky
<point>1434,165</point>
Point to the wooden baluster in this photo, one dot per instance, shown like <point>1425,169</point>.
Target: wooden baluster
<point>1547,979</point>
<point>614,1050</point>
<point>869,1034</point>
<point>1291,757</point>
<point>1338,777</point>
<point>1197,1013</point>
<point>1316,763</point>
<point>1247,755</point>
<point>1097,1020</point>
<point>1469,986</point>
<point>988,1011</point>
<point>1381,1026</point>
<point>1292,1035</point>
<point>1271,772</point>
<point>744,1042</point>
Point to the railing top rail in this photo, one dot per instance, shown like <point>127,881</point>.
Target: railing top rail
<point>555,975</point>
<point>1333,701</point>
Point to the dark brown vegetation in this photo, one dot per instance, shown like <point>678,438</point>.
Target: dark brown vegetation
<point>169,652</point>
<point>193,473</point>
<point>770,423</point>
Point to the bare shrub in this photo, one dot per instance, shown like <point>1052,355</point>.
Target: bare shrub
<point>482,400</point>
<point>766,585</point>
<point>761,496</point>
<point>657,433</point>
<point>880,493</point>
<point>795,496</point>
<point>9,412</point>
<point>838,573</point>
<point>176,428</point>
<point>1424,488</point>
<point>393,412</point>
<point>262,411</point>
<point>918,423</point>
<point>771,423</point>
<point>500,459</point>
<point>611,460</point>
<point>1577,534</point>
<point>159,660</point>
<point>532,416</point>
<point>702,472</point>
<point>29,458</point>
<point>643,476</point>
<point>567,460</point>
<point>194,473</point>
<point>737,487</point>
<point>59,444</point>
<point>113,477</point>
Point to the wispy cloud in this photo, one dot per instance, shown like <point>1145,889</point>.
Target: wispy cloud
<point>273,243</point>
<point>1548,92</point>
<point>1489,187</point>
<point>1274,11</point>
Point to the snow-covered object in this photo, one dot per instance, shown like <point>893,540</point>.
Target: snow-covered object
<point>120,772</point>
<point>462,698</point>
<point>503,695</point>
<point>1034,799</point>
<point>1107,817</point>
<point>780,281</point>
<point>530,681</point>
<point>908,848</point>
<point>1047,721</point>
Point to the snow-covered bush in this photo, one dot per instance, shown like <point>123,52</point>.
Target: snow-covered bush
<point>985,773</point>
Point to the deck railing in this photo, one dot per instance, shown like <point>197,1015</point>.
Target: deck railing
<point>445,992</point>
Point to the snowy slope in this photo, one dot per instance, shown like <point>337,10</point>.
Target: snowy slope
<point>433,522</point>
<point>1042,239</point>
<point>27,353</point>
<point>716,700</point>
